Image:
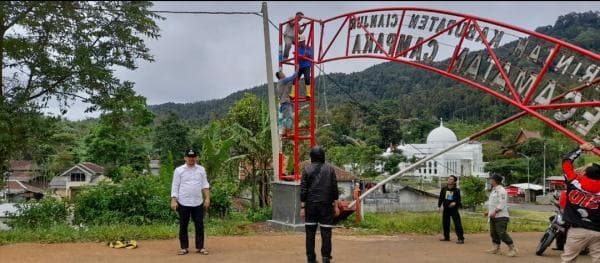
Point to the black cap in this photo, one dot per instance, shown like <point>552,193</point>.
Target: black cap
<point>191,153</point>
<point>496,177</point>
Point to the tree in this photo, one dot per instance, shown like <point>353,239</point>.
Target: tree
<point>506,167</point>
<point>217,145</point>
<point>390,163</point>
<point>534,148</point>
<point>119,138</point>
<point>246,112</point>
<point>254,146</point>
<point>474,191</point>
<point>171,136</point>
<point>63,51</point>
<point>361,158</point>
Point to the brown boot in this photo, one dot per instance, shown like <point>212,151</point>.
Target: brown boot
<point>494,250</point>
<point>512,251</point>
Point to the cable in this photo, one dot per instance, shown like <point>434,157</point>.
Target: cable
<point>213,13</point>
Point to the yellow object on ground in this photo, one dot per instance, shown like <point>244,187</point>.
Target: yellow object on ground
<point>131,244</point>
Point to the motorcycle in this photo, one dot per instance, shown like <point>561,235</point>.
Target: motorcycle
<point>556,230</point>
<point>557,227</point>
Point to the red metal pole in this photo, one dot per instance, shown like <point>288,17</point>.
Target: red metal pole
<point>566,105</point>
<point>459,46</point>
<point>321,42</point>
<point>348,36</point>
<point>393,53</point>
<point>540,76</point>
<point>296,104</point>
<point>280,166</point>
<point>310,35</point>
<point>312,92</point>
<point>508,83</point>
<point>356,194</point>
<point>280,47</point>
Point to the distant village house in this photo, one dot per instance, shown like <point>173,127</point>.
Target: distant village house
<point>74,179</point>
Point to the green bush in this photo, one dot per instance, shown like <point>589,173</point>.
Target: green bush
<point>259,214</point>
<point>221,192</point>
<point>473,189</point>
<point>41,214</point>
<point>137,200</point>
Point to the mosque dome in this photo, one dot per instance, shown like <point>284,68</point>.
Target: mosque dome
<point>441,135</point>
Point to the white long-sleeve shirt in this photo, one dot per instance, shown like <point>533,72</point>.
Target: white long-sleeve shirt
<point>188,183</point>
<point>498,199</point>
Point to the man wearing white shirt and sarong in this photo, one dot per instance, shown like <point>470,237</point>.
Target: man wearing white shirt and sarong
<point>497,215</point>
<point>190,196</point>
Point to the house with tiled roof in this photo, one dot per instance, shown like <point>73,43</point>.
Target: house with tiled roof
<point>18,191</point>
<point>522,137</point>
<point>75,178</point>
<point>345,180</point>
<point>22,170</point>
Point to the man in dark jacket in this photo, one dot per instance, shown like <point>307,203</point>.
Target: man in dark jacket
<point>582,210</point>
<point>450,200</point>
<point>319,197</point>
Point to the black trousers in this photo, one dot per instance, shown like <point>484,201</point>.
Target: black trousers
<point>306,73</point>
<point>197,215</point>
<point>322,214</point>
<point>452,213</point>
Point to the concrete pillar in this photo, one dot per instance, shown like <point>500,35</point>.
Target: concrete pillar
<point>286,207</point>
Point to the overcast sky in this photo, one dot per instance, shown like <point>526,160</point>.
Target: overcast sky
<point>202,57</point>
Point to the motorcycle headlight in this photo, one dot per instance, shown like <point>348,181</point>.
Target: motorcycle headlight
<point>560,220</point>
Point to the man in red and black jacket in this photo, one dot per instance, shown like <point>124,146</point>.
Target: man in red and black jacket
<point>582,210</point>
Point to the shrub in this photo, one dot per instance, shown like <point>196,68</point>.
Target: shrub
<point>221,192</point>
<point>259,214</point>
<point>473,189</point>
<point>41,214</point>
<point>138,200</point>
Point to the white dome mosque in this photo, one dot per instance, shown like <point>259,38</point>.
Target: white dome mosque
<point>465,160</point>
<point>441,135</point>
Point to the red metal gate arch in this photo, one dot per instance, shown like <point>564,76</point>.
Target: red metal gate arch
<point>471,25</point>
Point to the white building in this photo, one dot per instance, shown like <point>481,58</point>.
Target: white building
<point>466,160</point>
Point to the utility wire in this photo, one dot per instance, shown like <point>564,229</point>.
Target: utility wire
<point>213,13</point>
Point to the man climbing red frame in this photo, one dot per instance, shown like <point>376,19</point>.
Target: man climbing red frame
<point>523,68</point>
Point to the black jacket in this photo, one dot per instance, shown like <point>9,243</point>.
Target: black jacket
<point>454,193</point>
<point>318,180</point>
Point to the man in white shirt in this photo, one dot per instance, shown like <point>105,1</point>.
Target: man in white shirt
<point>289,34</point>
<point>497,215</point>
<point>190,195</point>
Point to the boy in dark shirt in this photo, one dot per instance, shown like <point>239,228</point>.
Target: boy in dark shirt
<point>450,200</point>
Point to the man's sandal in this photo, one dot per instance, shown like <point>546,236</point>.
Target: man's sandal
<point>203,251</point>
<point>182,252</point>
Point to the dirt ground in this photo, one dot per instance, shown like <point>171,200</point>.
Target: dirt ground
<point>287,248</point>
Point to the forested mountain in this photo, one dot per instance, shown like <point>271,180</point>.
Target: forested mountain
<point>414,92</point>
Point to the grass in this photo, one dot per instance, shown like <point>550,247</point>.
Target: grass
<point>430,223</point>
<point>385,224</point>
<point>65,233</point>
